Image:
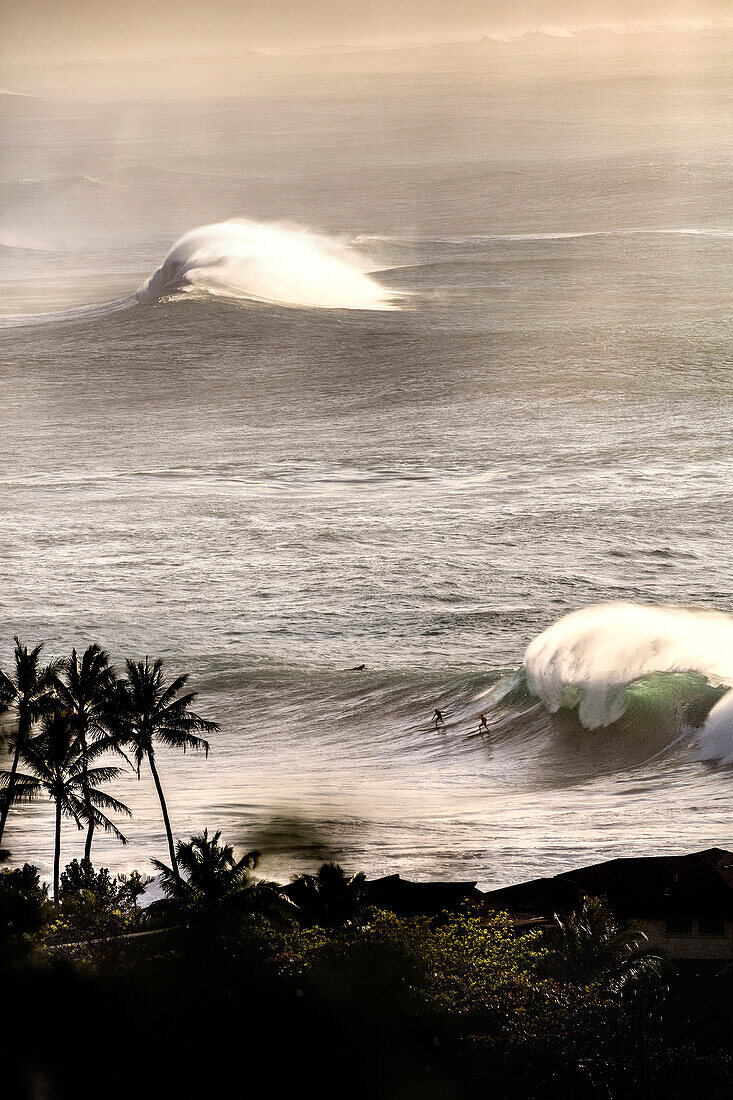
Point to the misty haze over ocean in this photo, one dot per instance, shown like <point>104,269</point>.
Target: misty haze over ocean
<point>462,367</point>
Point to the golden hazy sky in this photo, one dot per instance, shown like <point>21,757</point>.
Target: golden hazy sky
<point>38,29</point>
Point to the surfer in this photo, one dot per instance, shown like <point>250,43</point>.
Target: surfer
<point>438,718</point>
<point>483,725</point>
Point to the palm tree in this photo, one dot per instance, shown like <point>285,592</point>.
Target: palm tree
<point>150,712</point>
<point>59,768</point>
<point>205,872</point>
<point>330,897</point>
<point>84,688</point>
<point>590,947</point>
<point>30,693</point>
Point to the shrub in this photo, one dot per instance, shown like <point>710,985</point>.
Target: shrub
<point>94,905</point>
<point>22,903</point>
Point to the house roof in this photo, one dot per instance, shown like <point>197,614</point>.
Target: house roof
<point>400,895</point>
<point>645,886</point>
<point>407,898</point>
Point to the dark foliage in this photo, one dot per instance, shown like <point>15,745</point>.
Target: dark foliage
<point>330,898</point>
<point>209,878</point>
<point>80,876</point>
<point>22,898</point>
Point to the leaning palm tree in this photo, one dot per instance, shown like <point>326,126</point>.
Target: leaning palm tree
<point>30,693</point>
<point>206,873</point>
<point>590,947</point>
<point>150,712</point>
<point>84,686</point>
<point>57,767</point>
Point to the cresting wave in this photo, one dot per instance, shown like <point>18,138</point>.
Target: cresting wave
<point>283,265</point>
<point>592,659</point>
<point>280,264</point>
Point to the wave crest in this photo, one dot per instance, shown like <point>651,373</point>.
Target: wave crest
<point>590,659</point>
<point>281,264</point>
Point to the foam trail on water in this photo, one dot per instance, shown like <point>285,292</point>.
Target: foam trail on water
<point>588,658</point>
<point>79,313</point>
<point>281,264</point>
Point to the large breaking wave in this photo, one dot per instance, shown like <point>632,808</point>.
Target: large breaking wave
<point>596,660</point>
<point>281,264</point>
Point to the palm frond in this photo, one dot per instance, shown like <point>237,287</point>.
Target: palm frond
<point>173,886</point>
<point>106,801</point>
<point>25,789</point>
<point>94,775</point>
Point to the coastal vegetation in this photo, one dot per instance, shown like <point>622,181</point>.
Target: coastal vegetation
<point>59,768</point>
<point>371,1001</point>
<point>146,711</point>
<point>74,713</point>
<point>229,983</point>
<point>28,692</point>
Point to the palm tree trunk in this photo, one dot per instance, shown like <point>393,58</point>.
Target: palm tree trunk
<point>57,854</point>
<point>88,844</point>
<point>88,804</point>
<point>8,792</point>
<point>166,819</point>
<point>20,737</point>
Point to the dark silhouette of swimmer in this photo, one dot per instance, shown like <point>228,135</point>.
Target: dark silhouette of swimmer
<point>483,725</point>
<point>356,668</point>
<point>438,718</point>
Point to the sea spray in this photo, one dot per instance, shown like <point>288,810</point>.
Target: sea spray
<point>281,264</point>
<point>589,658</point>
<point>716,742</point>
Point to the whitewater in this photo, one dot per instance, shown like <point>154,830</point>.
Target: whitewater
<point>283,265</point>
<point>590,659</point>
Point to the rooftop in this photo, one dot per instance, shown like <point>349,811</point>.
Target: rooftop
<point>644,886</point>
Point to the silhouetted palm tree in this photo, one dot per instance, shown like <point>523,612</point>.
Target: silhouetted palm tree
<point>84,687</point>
<point>206,872</point>
<point>150,712</point>
<point>60,769</point>
<point>330,897</point>
<point>30,693</point>
<point>591,947</point>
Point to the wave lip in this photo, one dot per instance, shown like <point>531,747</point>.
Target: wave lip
<point>281,264</point>
<point>589,659</point>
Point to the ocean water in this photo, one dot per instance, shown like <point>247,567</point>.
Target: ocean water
<point>462,369</point>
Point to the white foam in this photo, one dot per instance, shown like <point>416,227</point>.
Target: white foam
<point>281,264</point>
<point>716,742</point>
<point>588,657</point>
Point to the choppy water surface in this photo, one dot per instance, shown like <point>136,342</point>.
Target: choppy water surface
<point>268,495</point>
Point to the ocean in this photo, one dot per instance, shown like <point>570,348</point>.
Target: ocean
<point>460,368</point>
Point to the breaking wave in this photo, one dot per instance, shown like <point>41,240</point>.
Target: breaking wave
<point>600,661</point>
<point>280,264</point>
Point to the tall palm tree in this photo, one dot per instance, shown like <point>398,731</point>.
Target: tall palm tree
<point>84,687</point>
<point>30,693</point>
<point>150,712</point>
<point>58,767</point>
<point>591,947</point>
